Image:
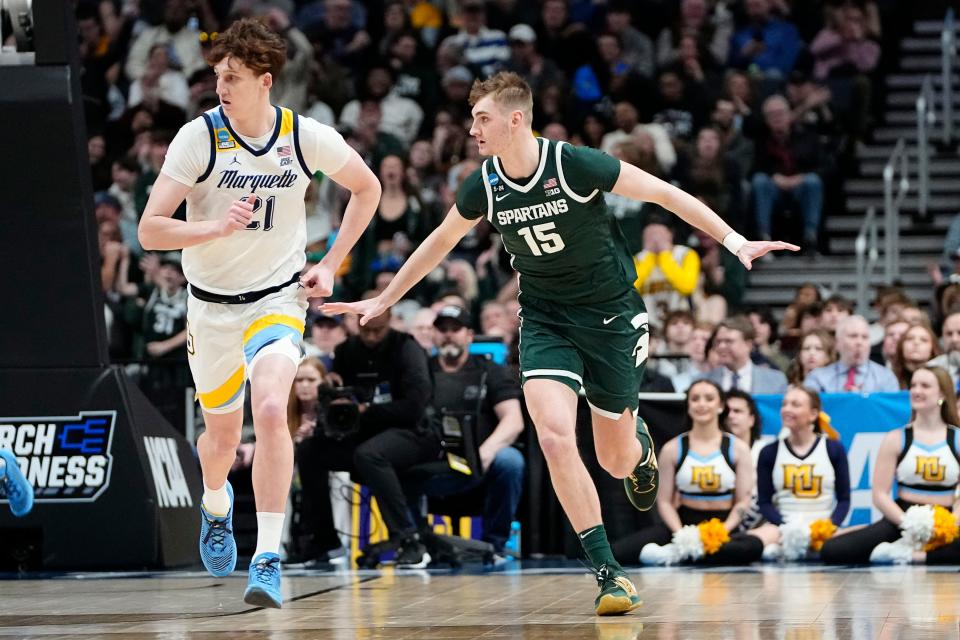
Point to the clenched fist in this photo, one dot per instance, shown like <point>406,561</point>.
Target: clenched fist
<point>238,216</point>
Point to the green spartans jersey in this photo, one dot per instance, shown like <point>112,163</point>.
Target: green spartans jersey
<point>555,224</point>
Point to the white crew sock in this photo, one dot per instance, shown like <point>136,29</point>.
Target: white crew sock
<point>269,532</point>
<point>216,501</point>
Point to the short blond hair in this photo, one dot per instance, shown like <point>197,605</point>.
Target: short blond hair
<point>508,90</point>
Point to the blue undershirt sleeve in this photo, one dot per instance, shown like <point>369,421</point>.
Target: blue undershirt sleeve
<point>768,457</point>
<point>838,458</point>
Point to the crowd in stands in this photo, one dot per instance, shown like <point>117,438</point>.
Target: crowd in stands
<point>753,106</point>
<point>749,105</point>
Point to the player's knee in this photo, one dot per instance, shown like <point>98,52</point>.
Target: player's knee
<point>556,444</point>
<point>616,463</point>
<point>270,412</point>
<point>224,440</point>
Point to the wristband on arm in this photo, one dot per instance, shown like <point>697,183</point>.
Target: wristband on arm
<point>733,241</point>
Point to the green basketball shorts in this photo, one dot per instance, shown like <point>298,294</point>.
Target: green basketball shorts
<point>601,347</point>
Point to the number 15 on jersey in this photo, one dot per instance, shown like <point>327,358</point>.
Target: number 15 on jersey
<point>541,238</point>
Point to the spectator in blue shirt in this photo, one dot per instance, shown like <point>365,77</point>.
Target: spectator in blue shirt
<point>483,48</point>
<point>854,372</point>
<point>770,44</point>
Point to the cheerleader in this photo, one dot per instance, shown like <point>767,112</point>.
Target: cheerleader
<point>922,457</point>
<point>705,473</point>
<point>803,477</point>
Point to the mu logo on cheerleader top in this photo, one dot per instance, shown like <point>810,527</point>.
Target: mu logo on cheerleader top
<point>66,458</point>
<point>706,478</point>
<point>930,469</point>
<point>800,479</point>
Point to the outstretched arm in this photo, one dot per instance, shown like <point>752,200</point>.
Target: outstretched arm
<point>424,260</point>
<point>640,185</point>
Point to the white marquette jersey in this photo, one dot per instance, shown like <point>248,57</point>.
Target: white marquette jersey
<point>804,488</point>
<point>931,468</point>
<point>711,477</point>
<point>221,166</point>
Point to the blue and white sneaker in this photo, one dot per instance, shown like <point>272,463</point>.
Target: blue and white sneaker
<point>13,486</point>
<point>263,588</point>
<point>218,549</point>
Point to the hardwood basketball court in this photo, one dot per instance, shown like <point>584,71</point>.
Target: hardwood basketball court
<point>534,604</point>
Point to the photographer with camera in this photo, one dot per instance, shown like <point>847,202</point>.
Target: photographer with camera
<point>373,426</point>
<point>476,410</point>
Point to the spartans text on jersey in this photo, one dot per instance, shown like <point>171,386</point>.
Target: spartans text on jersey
<point>533,212</point>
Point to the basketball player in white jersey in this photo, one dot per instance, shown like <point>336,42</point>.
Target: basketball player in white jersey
<point>243,169</point>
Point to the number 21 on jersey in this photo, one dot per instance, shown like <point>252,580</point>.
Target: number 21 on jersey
<point>541,239</point>
<point>267,216</point>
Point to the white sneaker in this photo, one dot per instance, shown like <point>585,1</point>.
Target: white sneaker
<point>892,553</point>
<point>500,559</point>
<point>772,552</point>
<point>658,555</point>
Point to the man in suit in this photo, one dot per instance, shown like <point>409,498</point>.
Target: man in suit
<point>854,372</point>
<point>733,342</point>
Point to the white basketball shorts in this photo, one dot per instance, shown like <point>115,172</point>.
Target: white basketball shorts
<point>225,342</point>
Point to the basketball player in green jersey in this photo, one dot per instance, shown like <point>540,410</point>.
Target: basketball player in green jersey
<point>582,322</point>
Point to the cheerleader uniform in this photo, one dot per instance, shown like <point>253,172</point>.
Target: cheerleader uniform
<point>805,488</point>
<point>926,469</point>
<point>710,478</point>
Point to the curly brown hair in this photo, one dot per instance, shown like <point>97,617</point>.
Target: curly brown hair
<point>508,89</point>
<point>251,42</point>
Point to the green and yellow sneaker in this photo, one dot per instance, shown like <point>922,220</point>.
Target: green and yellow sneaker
<point>641,485</point>
<point>617,593</point>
